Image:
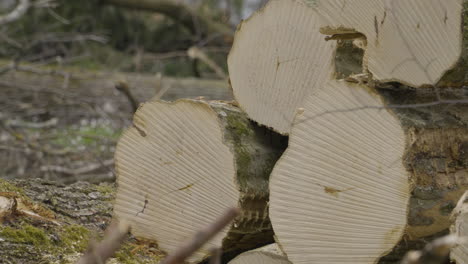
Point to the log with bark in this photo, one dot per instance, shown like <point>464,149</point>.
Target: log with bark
<point>183,163</point>
<point>160,186</point>
<point>356,177</point>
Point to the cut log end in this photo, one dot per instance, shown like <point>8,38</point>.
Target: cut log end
<point>295,57</point>
<point>397,32</point>
<point>167,165</point>
<point>344,159</point>
<point>183,163</point>
<point>277,56</point>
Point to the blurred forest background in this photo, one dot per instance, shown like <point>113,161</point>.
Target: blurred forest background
<point>72,73</point>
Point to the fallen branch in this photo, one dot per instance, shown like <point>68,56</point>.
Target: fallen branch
<point>16,13</point>
<point>196,53</point>
<point>35,125</point>
<point>11,205</point>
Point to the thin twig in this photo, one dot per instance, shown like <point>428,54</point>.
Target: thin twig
<point>201,238</point>
<point>99,253</point>
<point>216,256</point>
<point>58,17</point>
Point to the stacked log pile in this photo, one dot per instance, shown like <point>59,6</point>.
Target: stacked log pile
<point>370,94</point>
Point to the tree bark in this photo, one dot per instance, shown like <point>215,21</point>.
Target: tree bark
<point>61,222</point>
<point>437,143</point>
<point>459,254</point>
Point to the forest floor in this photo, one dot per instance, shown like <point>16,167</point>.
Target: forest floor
<point>55,135</point>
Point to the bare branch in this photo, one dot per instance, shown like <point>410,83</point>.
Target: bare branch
<point>196,53</point>
<point>16,13</point>
<point>216,256</point>
<point>123,87</point>
<point>115,235</point>
<point>201,238</point>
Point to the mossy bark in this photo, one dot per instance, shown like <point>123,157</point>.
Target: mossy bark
<point>256,150</point>
<point>72,216</point>
<point>458,76</point>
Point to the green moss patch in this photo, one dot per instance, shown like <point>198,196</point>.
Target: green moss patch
<point>74,238</point>
<point>137,254</point>
<point>237,123</point>
<point>55,240</point>
<point>27,234</point>
<point>10,188</point>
